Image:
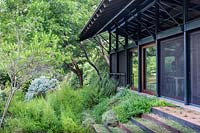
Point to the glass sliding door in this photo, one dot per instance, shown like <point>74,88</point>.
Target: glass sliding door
<point>195,67</point>
<point>172,68</point>
<point>149,69</point>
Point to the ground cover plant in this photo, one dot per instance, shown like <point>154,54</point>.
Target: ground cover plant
<point>71,110</point>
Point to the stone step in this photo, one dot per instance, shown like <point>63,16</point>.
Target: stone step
<point>171,114</point>
<point>98,128</point>
<point>160,122</point>
<point>133,128</point>
<point>172,123</point>
<point>116,130</point>
<point>141,125</point>
<point>124,128</point>
<point>148,123</point>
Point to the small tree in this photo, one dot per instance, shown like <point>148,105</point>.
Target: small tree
<point>23,64</point>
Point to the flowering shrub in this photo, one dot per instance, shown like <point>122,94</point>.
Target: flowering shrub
<point>40,86</point>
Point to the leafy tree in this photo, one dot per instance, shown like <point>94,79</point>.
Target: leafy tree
<point>25,53</point>
<point>39,37</point>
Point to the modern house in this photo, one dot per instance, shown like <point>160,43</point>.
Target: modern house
<point>154,45</point>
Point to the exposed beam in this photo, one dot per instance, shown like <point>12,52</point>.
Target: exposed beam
<point>147,29</point>
<point>168,14</point>
<point>128,5</point>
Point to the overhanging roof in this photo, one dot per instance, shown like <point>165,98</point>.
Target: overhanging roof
<point>104,13</point>
<point>126,15</point>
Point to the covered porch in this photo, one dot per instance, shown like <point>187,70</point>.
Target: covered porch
<point>153,45</point>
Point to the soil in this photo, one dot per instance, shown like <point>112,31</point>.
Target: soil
<point>182,113</point>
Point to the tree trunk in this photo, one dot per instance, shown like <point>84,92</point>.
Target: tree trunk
<point>76,70</point>
<point>103,52</point>
<point>104,56</point>
<point>90,62</point>
<point>80,77</point>
<point>7,105</point>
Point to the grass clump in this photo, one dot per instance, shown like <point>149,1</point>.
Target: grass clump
<point>59,112</point>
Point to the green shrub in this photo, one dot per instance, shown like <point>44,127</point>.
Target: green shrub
<point>36,115</point>
<point>107,87</point>
<point>63,109</point>
<point>109,118</point>
<point>73,81</point>
<point>67,100</point>
<point>87,119</point>
<point>99,109</point>
<point>135,105</point>
<point>60,111</point>
<point>4,77</point>
<point>90,97</point>
<point>69,125</point>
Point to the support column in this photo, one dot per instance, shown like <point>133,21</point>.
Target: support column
<point>110,56</point>
<point>186,54</point>
<point>158,68</point>
<point>139,69</point>
<point>157,22</point>
<point>139,56</point>
<point>117,48</point>
<point>126,62</point>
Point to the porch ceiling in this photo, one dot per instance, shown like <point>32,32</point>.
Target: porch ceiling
<point>138,18</point>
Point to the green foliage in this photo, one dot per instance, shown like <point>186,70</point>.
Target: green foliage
<point>135,105</point>
<point>87,119</point>
<point>66,99</point>
<point>33,116</point>
<point>99,109</point>
<point>4,77</point>
<point>109,118</point>
<point>95,90</point>
<point>125,104</point>
<point>61,111</point>
<point>64,109</point>
<point>69,124</point>
<point>73,81</point>
<point>106,87</point>
<point>91,97</point>
<point>36,37</point>
<point>1,105</point>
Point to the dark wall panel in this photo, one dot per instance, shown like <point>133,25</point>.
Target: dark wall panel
<point>122,68</point>
<point>120,72</point>
<point>114,63</point>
